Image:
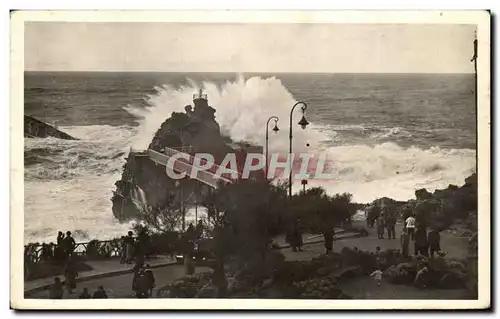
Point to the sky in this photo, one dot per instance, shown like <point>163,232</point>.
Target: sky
<point>209,47</point>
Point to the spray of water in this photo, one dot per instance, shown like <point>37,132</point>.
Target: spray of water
<point>369,172</point>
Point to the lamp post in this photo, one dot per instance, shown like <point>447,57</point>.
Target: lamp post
<point>275,130</point>
<point>304,183</point>
<point>303,123</point>
<point>178,183</point>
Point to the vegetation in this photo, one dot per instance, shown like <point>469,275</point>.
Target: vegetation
<point>315,208</point>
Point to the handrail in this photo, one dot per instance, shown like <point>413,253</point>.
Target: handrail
<point>182,165</point>
<point>215,167</point>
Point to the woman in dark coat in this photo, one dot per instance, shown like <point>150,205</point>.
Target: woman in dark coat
<point>328,234</point>
<point>70,274</point>
<point>421,243</point>
<point>434,242</point>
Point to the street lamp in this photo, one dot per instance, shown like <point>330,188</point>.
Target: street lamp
<point>178,184</point>
<point>304,183</point>
<point>303,123</point>
<point>275,130</point>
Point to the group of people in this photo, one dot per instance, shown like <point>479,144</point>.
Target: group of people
<point>386,220</point>
<point>133,248</point>
<point>294,236</point>
<point>425,244</point>
<point>65,246</point>
<point>56,291</point>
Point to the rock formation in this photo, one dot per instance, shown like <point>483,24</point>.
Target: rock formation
<point>439,209</point>
<point>192,130</point>
<point>36,128</point>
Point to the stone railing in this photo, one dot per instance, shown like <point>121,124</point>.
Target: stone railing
<point>94,249</point>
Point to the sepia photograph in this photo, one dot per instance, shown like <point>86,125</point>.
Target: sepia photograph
<point>250,160</point>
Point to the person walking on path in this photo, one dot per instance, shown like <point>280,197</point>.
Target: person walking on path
<point>377,275</point>
<point>123,254</point>
<point>434,242</point>
<point>294,237</point>
<point>70,275</point>
<point>129,247</point>
<point>69,245</point>
<point>391,225</point>
<point>380,227</point>
<point>150,279</point>
<point>410,226</point>
<point>421,243</point>
<point>59,251</point>
<point>405,243</point>
<point>142,284</point>
<point>329,235</point>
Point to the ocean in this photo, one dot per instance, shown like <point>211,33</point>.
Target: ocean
<point>386,134</point>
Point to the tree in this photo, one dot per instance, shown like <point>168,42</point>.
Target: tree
<point>315,208</point>
<point>245,215</point>
<point>162,219</point>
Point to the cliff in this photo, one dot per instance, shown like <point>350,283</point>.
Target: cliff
<point>441,208</point>
<point>195,130</point>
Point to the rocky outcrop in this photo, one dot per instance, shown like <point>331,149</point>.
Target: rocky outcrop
<point>439,209</point>
<point>36,128</point>
<point>193,130</point>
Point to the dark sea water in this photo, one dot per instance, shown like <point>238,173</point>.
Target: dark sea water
<point>387,134</point>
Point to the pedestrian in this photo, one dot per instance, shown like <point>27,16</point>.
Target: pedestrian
<point>142,288</point>
<point>421,243</point>
<point>189,266</point>
<point>100,293</point>
<point>150,279</point>
<point>70,274</point>
<point>328,234</point>
<point>391,225</point>
<point>85,294</point>
<point>59,251</point>
<point>380,227</point>
<point>123,254</point>
<point>298,235</point>
<point>434,242</point>
<point>56,289</point>
<point>377,276</point>
<point>294,237</point>
<point>69,245</point>
<point>410,226</point>
<point>405,242</point>
<point>129,247</point>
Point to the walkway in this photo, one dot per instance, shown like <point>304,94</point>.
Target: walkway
<point>118,284</point>
<point>101,268</point>
<point>112,272</point>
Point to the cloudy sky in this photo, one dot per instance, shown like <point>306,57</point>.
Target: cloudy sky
<point>188,47</point>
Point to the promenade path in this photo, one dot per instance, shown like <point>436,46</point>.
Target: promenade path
<point>118,276</point>
<point>119,286</point>
<point>100,268</point>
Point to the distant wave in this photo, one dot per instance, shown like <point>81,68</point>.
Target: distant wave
<point>100,150</point>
